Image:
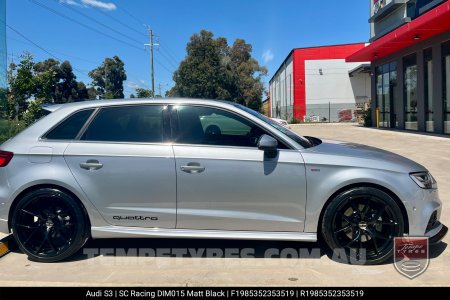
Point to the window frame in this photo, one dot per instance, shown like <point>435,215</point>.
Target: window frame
<point>174,122</point>
<point>165,124</point>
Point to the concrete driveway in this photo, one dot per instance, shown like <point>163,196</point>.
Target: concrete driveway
<point>145,262</point>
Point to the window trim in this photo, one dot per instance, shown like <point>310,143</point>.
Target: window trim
<point>44,138</point>
<point>175,127</point>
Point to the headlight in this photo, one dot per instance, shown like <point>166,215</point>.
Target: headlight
<point>424,180</point>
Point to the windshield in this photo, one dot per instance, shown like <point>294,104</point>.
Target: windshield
<point>297,138</point>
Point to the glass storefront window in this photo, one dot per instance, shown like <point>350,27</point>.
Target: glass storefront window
<point>386,78</point>
<point>379,103</point>
<point>386,96</point>
<point>410,91</point>
<point>446,85</point>
<point>428,73</point>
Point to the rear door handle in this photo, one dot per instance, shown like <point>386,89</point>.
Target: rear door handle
<point>91,164</point>
<point>192,168</point>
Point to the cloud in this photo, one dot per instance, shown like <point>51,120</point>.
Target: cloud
<point>132,85</point>
<point>70,2</point>
<point>99,4</point>
<point>140,84</point>
<point>268,56</point>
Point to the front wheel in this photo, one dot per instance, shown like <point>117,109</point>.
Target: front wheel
<point>362,222</point>
<point>49,225</point>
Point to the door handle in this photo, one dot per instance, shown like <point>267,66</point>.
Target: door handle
<point>192,168</point>
<point>91,164</point>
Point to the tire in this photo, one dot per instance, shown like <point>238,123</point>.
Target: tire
<point>362,223</point>
<point>49,225</point>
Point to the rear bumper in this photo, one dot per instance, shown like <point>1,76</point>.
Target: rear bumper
<point>4,226</point>
<point>436,235</point>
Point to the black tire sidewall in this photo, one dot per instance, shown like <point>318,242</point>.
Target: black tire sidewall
<point>80,235</point>
<point>329,214</point>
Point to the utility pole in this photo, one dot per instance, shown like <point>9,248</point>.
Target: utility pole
<point>159,89</point>
<point>160,86</point>
<point>152,69</point>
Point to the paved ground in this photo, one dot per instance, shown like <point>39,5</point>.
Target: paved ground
<point>317,269</point>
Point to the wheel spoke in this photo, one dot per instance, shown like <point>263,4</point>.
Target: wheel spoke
<point>354,239</point>
<point>378,236</point>
<point>374,240</point>
<point>33,214</point>
<point>344,228</point>
<point>42,244</point>
<point>379,213</point>
<point>346,219</point>
<point>366,208</point>
<point>50,243</point>
<point>62,232</point>
<point>27,226</point>
<point>391,223</point>
<point>355,207</point>
<point>30,236</point>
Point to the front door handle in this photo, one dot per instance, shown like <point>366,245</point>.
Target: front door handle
<point>192,168</point>
<point>91,164</point>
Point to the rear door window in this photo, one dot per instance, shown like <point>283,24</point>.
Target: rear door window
<point>140,123</point>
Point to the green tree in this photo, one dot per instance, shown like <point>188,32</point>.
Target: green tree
<point>33,112</point>
<point>247,75</point>
<point>143,93</point>
<point>56,81</point>
<point>22,85</point>
<point>67,85</point>
<point>3,103</point>
<point>92,93</point>
<point>214,70</point>
<point>108,78</point>
<point>82,91</point>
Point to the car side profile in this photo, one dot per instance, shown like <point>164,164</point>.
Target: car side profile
<point>203,169</point>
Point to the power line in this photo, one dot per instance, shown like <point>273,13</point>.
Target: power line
<point>122,23</point>
<point>132,16</point>
<point>97,22</point>
<point>23,36</point>
<point>163,66</point>
<point>167,59</point>
<point>82,24</point>
<point>58,52</point>
<point>170,53</point>
<point>49,52</point>
<point>43,49</point>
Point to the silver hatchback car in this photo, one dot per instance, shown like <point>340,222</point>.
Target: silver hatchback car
<point>203,169</point>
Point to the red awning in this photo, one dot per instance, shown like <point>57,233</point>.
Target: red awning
<point>432,23</point>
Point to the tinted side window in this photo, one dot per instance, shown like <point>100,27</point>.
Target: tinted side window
<point>142,123</point>
<point>211,126</point>
<point>69,128</point>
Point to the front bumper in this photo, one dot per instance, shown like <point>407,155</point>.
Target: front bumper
<point>437,234</point>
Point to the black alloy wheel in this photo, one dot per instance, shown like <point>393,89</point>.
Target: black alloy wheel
<point>49,225</point>
<point>363,222</point>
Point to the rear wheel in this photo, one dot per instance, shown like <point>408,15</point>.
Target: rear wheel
<point>49,225</point>
<point>362,222</point>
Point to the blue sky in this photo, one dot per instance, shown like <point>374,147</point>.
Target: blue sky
<point>273,27</point>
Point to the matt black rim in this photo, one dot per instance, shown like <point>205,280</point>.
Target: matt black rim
<point>45,226</point>
<point>365,222</point>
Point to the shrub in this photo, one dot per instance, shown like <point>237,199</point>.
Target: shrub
<point>9,128</point>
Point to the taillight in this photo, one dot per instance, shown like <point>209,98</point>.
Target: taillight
<point>5,158</point>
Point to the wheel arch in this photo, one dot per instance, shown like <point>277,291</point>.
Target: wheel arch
<point>51,186</point>
<point>364,184</point>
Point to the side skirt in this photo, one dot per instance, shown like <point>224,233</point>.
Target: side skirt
<point>138,232</point>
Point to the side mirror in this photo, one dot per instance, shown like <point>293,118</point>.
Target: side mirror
<point>268,144</point>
